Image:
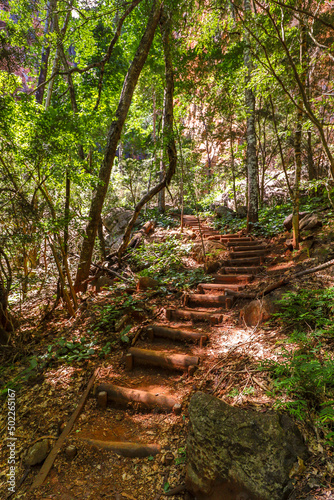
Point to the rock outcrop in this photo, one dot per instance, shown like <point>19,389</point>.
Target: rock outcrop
<point>288,220</point>
<point>238,454</point>
<point>260,310</point>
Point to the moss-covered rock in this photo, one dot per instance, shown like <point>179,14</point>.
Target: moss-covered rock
<point>235,453</point>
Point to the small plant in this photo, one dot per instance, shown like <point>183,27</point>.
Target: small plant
<point>304,376</point>
<point>182,456</point>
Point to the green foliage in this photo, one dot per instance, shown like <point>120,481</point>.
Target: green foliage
<point>165,220</point>
<point>71,351</point>
<point>163,261</point>
<point>309,312</point>
<point>305,374</point>
<point>182,456</point>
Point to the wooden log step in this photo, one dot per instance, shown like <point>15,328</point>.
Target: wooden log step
<point>161,359</point>
<point>217,287</point>
<point>174,334</point>
<point>228,239</point>
<point>124,395</point>
<point>243,270</point>
<point>232,278</point>
<point>247,243</point>
<point>247,253</point>
<point>126,449</point>
<point>215,237</point>
<point>236,237</point>
<point>200,300</point>
<point>248,248</point>
<point>249,261</point>
<point>189,315</point>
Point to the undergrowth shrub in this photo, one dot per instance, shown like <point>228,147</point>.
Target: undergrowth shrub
<point>162,260</point>
<point>303,379</point>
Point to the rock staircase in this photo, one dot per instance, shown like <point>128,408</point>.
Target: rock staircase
<point>170,352</point>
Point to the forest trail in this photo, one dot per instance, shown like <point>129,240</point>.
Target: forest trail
<point>158,375</point>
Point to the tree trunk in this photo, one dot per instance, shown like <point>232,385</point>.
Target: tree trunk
<point>298,140</point>
<point>310,162</point>
<point>168,135</point>
<point>67,211</point>
<point>233,168</point>
<point>45,52</point>
<point>251,161</point>
<point>57,54</point>
<point>114,135</point>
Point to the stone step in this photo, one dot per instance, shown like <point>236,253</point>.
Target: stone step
<point>247,253</point>
<point>243,270</point>
<point>250,261</point>
<point>149,357</point>
<point>218,287</point>
<point>191,315</point>
<point>124,395</point>
<point>200,300</point>
<point>232,278</point>
<point>174,334</point>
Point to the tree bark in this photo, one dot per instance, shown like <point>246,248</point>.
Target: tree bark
<point>45,52</point>
<point>168,135</point>
<point>113,138</point>
<point>251,158</point>
<point>298,141</point>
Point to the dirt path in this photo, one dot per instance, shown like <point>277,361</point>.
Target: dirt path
<point>139,412</point>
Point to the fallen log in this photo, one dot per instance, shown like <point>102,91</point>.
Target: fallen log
<point>163,360</point>
<point>173,334</point>
<point>200,300</point>
<point>188,315</point>
<point>125,449</point>
<point>285,281</point>
<point>125,395</point>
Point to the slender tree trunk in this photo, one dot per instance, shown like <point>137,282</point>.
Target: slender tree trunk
<point>45,51</point>
<point>57,54</point>
<point>251,161</point>
<point>280,148</point>
<point>113,138</point>
<point>67,211</point>
<point>168,135</point>
<point>298,141</point>
<point>162,172</point>
<point>233,168</point>
<point>310,162</point>
<point>101,240</point>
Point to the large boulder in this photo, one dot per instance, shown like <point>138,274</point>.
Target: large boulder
<point>242,212</point>
<point>310,222</point>
<point>117,220</point>
<point>288,220</point>
<point>213,250</point>
<point>258,311</point>
<point>236,454</point>
<point>223,211</point>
